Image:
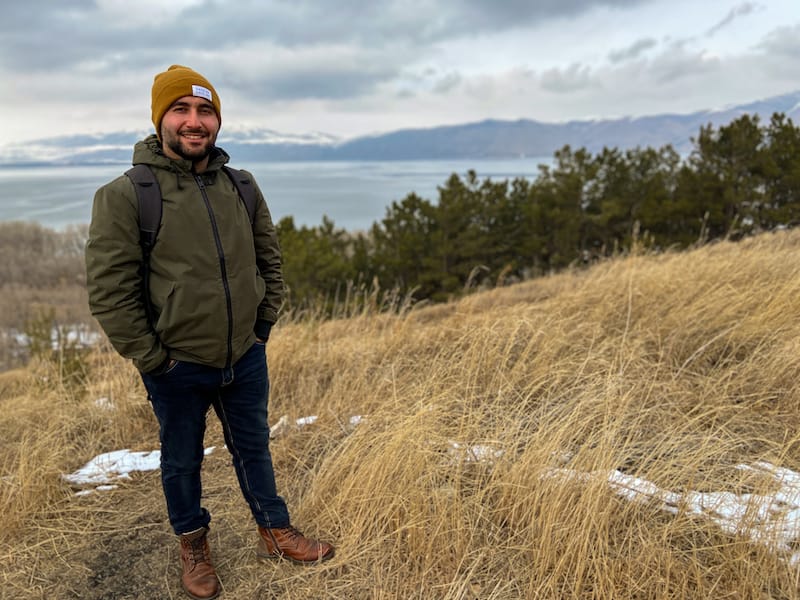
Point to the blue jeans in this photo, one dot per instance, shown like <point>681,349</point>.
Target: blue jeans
<point>181,398</point>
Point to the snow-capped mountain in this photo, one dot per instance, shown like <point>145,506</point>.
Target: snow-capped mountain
<point>481,140</point>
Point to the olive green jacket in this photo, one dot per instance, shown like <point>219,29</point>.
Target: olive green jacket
<point>214,278</point>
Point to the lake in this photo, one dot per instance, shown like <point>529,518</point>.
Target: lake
<point>353,194</point>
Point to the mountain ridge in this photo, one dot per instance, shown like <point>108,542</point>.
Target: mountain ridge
<point>486,139</point>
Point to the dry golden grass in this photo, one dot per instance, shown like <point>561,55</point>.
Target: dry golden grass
<point>674,368</point>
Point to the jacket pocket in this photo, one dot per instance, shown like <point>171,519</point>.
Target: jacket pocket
<point>163,299</point>
<point>261,287</point>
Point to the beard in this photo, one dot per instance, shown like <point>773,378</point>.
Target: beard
<point>191,152</point>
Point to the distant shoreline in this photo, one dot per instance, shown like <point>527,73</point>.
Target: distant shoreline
<point>354,194</point>
<point>477,159</point>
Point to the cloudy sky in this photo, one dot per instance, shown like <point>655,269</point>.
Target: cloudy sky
<point>353,67</point>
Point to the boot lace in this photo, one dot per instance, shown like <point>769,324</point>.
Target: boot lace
<point>292,533</point>
<point>198,551</point>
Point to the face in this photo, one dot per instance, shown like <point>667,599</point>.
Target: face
<point>189,129</point>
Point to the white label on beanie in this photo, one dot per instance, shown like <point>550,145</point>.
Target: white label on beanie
<point>203,92</point>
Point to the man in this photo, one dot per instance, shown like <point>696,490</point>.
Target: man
<point>215,286</point>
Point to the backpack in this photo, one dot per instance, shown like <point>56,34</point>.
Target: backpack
<point>148,194</point>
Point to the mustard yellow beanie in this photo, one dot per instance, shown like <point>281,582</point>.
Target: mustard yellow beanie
<point>176,82</point>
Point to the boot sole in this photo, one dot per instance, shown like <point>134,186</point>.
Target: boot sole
<point>191,595</point>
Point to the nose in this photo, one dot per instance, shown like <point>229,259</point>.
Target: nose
<point>193,117</point>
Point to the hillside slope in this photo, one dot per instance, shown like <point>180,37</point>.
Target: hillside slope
<point>472,471</point>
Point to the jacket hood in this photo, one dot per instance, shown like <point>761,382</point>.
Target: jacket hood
<point>148,151</point>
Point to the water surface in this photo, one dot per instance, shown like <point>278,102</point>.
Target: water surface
<point>353,194</point>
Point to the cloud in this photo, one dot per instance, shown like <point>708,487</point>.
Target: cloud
<point>352,67</point>
<point>47,35</point>
<point>783,42</point>
<point>332,71</point>
<point>19,17</point>
<point>575,77</point>
<point>306,49</point>
<point>447,83</point>
<point>741,10</point>
<point>679,64</point>
<point>633,51</point>
<point>469,15</point>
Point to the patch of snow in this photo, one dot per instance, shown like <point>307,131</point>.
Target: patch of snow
<point>281,427</point>
<point>104,403</point>
<point>99,488</point>
<point>772,520</point>
<point>114,465</point>
<point>474,453</point>
<point>243,134</point>
<point>80,336</point>
<point>119,464</point>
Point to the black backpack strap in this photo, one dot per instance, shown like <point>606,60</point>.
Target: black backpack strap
<point>247,191</point>
<point>148,193</point>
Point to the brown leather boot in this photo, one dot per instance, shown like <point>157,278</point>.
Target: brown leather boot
<point>199,579</point>
<point>289,543</point>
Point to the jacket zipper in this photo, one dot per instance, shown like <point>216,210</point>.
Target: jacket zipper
<point>222,268</point>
